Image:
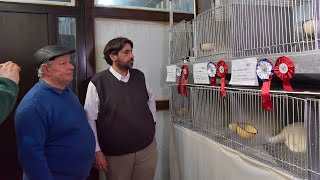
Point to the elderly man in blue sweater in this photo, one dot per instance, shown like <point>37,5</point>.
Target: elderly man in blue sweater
<point>55,141</point>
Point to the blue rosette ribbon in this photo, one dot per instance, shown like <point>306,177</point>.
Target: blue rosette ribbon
<point>265,71</point>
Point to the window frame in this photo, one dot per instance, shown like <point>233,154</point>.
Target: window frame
<point>43,2</point>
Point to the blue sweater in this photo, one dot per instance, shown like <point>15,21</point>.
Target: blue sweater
<point>54,138</point>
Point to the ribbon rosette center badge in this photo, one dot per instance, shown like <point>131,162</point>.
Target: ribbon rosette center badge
<point>283,68</point>
<point>221,69</point>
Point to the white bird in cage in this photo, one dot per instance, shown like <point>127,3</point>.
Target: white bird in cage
<point>207,46</point>
<point>309,27</point>
<point>294,137</point>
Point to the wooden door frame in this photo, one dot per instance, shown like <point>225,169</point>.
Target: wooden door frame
<point>54,12</point>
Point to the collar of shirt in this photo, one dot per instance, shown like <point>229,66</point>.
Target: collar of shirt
<point>118,76</point>
<point>59,91</point>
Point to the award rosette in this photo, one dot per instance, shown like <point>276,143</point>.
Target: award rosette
<point>212,71</point>
<point>222,70</point>
<point>265,71</point>
<point>182,89</point>
<point>284,69</point>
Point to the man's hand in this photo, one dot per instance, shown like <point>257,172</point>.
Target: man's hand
<point>100,161</point>
<point>10,70</point>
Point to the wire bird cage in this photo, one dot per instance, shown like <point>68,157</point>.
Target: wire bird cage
<point>243,28</point>
<point>182,41</point>
<point>239,122</point>
<point>286,138</point>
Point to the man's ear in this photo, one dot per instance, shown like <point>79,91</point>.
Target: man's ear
<point>112,57</point>
<point>45,69</point>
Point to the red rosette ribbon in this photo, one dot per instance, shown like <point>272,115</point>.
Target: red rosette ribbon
<point>222,70</point>
<point>265,71</point>
<point>284,69</point>
<point>182,89</point>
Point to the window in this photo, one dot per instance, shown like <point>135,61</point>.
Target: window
<point>67,38</point>
<point>48,2</point>
<point>184,6</point>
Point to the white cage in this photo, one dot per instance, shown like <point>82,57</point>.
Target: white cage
<point>205,112</point>
<point>245,28</point>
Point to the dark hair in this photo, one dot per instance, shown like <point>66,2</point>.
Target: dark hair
<point>114,46</point>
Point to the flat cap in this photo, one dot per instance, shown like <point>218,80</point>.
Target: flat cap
<point>50,52</point>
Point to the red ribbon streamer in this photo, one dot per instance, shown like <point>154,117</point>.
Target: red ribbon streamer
<point>287,86</point>
<point>213,81</point>
<point>184,74</point>
<point>223,87</point>
<point>285,77</point>
<point>222,75</point>
<point>265,94</point>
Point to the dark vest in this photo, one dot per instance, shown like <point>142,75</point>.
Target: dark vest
<point>125,123</point>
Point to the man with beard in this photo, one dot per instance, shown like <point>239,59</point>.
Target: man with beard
<point>120,108</point>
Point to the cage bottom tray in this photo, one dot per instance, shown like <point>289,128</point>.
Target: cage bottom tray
<point>274,155</point>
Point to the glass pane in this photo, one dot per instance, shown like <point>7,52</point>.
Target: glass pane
<point>49,2</point>
<point>185,6</point>
<point>67,38</point>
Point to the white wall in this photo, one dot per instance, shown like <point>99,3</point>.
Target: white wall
<point>150,48</point>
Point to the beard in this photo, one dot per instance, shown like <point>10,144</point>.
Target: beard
<point>125,66</point>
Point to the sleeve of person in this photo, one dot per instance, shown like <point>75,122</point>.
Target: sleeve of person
<point>151,101</point>
<point>91,106</point>
<point>31,133</point>
<point>8,95</point>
